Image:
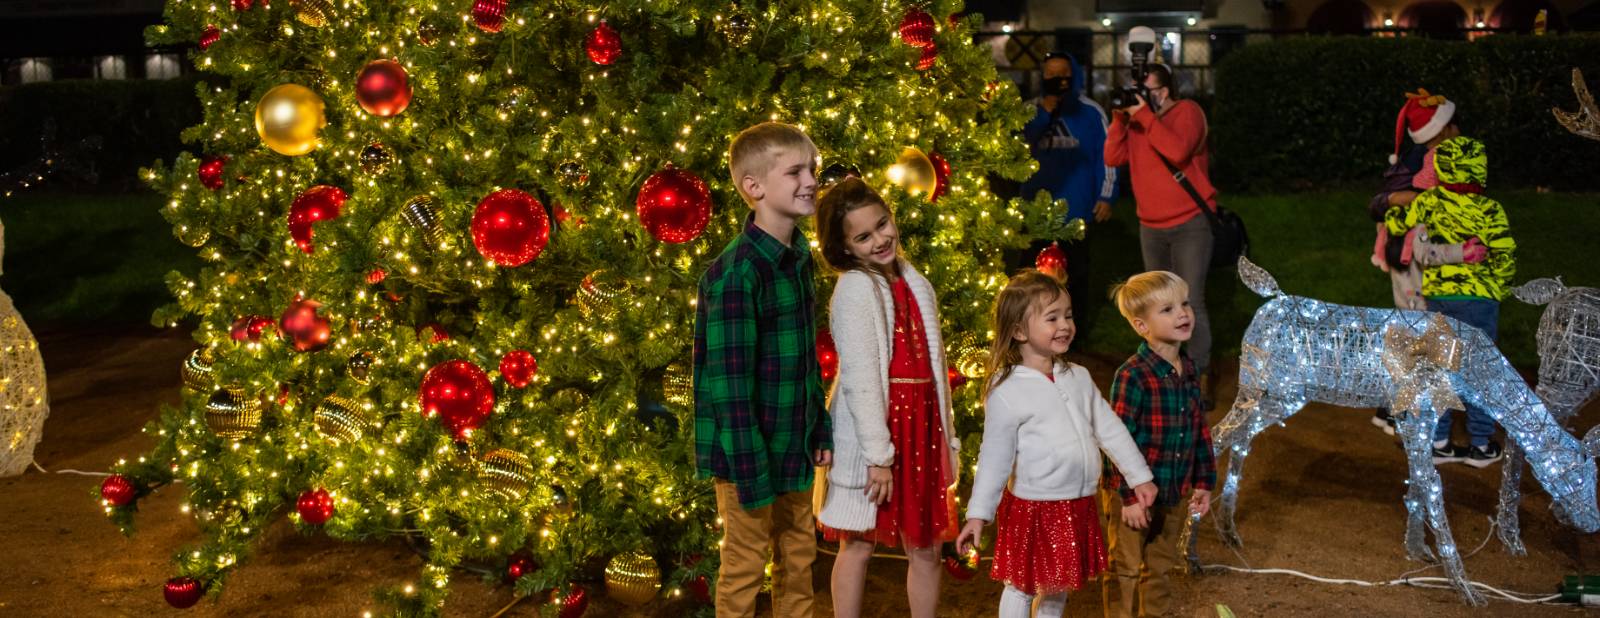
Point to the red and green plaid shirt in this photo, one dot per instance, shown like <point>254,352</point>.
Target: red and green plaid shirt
<point>759,409</point>
<point>1162,411</point>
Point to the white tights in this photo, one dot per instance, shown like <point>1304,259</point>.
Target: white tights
<point>1017,604</point>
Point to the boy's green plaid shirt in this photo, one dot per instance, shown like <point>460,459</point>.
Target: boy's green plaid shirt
<point>758,403</point>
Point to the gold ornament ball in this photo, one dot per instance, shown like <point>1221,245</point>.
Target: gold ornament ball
<point>233,415</point>
<point>599,296</point>
<point>196,372</point>
<point>633,578</point>
<point>677,386</point>
<point>341,420</point>
<point>972,359</point>
<point>288,119</point>
<point>913,171</point>
<point>314,13</point>
<point>506,473</point>
<point>737,27</point>
<point>422,214</point>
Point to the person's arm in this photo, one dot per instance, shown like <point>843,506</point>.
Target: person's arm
<point>1176,135</point>
<point>728,386</point>
<point>1105,175</point>
<point>996,455</point>
<point>1129,401</point>
<point>1113,438</point>
<point>1116,148</point>
<point>860,373</point>
<point>1497,235</point>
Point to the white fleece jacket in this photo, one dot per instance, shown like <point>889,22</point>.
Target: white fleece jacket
<point>1047,437</point>
<point>861,317</point>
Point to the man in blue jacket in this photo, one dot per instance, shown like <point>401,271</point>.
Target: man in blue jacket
<point>1067,137</point>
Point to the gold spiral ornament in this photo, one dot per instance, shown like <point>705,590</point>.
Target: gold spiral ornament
<point>972,358</point>
<point>422,214</point>
<point>677,385</point>
<point>197,374</point>
<point>598,297</point>
<point>314,13</point>
<point>233,415</point>
<point>341,420</point>
<point>506,473</point>
<point>633,578</point>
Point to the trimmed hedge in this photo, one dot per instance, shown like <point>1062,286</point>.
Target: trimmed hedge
<point>138,122</point>
<point>1319,112</point>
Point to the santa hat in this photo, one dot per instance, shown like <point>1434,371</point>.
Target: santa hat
<point>1423,117</point>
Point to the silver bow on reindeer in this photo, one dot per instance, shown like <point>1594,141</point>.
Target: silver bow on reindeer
<point>1420,365</point>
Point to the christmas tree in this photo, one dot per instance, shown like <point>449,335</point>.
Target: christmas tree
<point>451,254</point>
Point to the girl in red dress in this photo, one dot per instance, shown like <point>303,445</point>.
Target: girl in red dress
<point>895,467</point>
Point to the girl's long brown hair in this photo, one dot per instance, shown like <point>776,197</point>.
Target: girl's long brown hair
<point>841,199</point>
<point>1025,292</point>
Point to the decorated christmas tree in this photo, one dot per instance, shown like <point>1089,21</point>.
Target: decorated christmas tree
<point>451,254</point>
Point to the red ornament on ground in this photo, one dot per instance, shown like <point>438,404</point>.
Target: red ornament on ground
<point>917,28</point>
<point>510,227</point>
<point>183,592</point>
<point>210,172</point>
<point>963,569</point>
<point>603,44</point>
<point>459,393</point>
<point>929,57</point>
<point>319,203</point>
<point>376,276</point>
<point>827,355</point>
<point>941,175</point>
<point>518,367</point>
<point>1052,261</point>
<point>118,490</point>
<point>305,329</point>
<point>674,205</point>
<point>209,37</point>
<point>518,566</point>
<point>249,328</point>
<point>574,603</point>
<point>383,88</point>
<point>700,587</point>
<point>490,15</point>
<point>957,379</point>
<point>315,506</point>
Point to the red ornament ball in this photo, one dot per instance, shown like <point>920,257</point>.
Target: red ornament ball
<point>941,175</point>
<point>183,592</point>
<point>518,367</point>
<point>1052,261</point>
<point>315,506</point>
<point>459,393</point>
<point>376,276</point>
<point>510,227</point>
<point>210,172</point>
<point>304,328</point>
<point>956,377</point>
<point>827,355</point>
<point>118,490</point>
<point>383,88</point>
<point>700,587</point>
<point>209,37</point>
<point>929,57</point>
<point>319,203</point>
<point>490,15</point>
<point>437,335</point>
<point>519,565</point>
<point>962,568</point>
<point>917,28</point>
<point>573,603</point>
<point>674,205</point>
<point>243,5</point>
<point>603,45</point>
<point>249,328</point>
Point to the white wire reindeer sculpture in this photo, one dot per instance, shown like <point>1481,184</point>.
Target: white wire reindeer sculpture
<point>1299,350</point>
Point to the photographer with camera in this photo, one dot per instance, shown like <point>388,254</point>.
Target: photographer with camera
<point>1067,136</point>
<point>1162,139</point>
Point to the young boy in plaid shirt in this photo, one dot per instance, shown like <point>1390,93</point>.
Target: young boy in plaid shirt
<point>760,420</point>
<point>1157,395</point>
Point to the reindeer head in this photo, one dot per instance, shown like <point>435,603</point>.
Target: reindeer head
<point>1539,291</point>
<point>1586,121</point>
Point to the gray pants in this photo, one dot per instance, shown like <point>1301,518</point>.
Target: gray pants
<point>1185,250</point>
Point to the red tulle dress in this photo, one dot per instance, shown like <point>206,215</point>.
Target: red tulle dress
<point>1045,547</point>
<point>921,507</point>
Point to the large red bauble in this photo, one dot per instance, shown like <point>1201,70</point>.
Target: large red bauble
<point>519,565</point>
<point>510,227</point>
<point>929,57</point>
<point>209,37</point>
<point>490,15</point>
<point>603,45</point>
<point>319,203</point>
<point>941,175</point>
<point>917,28</point>
<point>518,367</point>
<point>827,355</point>
<point>248,328</point>
<point>574,603</point>
<point>383,88</point>
<point>459,393</point>
<point>304,328</point>
<point>210,172</point>
<point>118,490</point>
<point>1052,261</point>
<point>674,205</point>
<point>183,592</point>
<point>315,506</point>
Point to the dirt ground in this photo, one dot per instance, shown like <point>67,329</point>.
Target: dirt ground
<point>1322,496</point>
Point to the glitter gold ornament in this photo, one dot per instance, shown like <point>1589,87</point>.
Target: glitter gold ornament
<point>314,13</point>
<point>914,172</point>
<point>598,296</point>
<point>428,32</point>
<point>196,372</point>
<point>376,158</point>
<point>972,358</point>
<point>360,367</point>
<point>233,415</point>
<point>288,119</point>
<point>422,214</point>
<point>506,473</point>
<point>341,420</point>
<point>572,174</point>
<point>633,578</point>
<point>677,386</point>
<point>737,28</point>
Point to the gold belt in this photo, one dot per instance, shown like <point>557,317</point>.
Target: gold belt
<point>910,380</point>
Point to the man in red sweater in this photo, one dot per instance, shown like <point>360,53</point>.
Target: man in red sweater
<point>1173,236</point>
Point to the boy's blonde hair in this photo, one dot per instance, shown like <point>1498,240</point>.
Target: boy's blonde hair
<point>1140,292</point>
<point>1025,293</point>
<point>754,151</point>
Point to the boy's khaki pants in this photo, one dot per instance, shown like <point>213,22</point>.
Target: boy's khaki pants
<point>786,528</point>
<point>1130,590</point>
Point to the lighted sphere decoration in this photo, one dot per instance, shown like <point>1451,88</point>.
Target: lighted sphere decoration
<point>941,175</point>
<point>210,172</point>
<point>489,15</point>
<point>183,592</point>
<point>250,327</point>
<point>459,393</point>
<point>118,490</point>
<point>827,355</point>
<point>603,45</point>
<point>383,88</point>
<point>288,119</point>
<point>914,172</point>
<point>917,28</point>
<point>319,203</point>
<point>307,331</point>
<point>1052,261</point>
<point>510,227</point>
<point>315,506</point>
<point>518,367</point>
<point>674,205</point>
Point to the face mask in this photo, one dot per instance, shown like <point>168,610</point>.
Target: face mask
<point>1057,86</point>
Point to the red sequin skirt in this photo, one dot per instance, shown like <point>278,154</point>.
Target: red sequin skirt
<point>1047,547</point>
<point>921,507</point>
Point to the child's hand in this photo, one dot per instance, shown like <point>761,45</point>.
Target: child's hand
<point>1134,516</point>
<point>1200,502</point>
<point>880,484</point>
<point>1146,493</point>
<point>1474,251</point>
<point>967,541</point>
<point>823,457</point>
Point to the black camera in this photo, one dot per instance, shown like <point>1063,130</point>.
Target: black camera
<point>1140,43</point>
<point>1124,98</point>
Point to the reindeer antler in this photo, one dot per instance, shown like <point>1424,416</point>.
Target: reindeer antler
<point>1586,121</point>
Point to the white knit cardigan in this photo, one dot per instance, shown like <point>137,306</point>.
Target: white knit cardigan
<point>862,321</point>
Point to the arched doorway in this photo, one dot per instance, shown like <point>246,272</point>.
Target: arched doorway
<point>1340,17</point>
<point>1435,18</point>
<point>1518,16</point>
